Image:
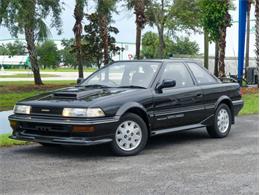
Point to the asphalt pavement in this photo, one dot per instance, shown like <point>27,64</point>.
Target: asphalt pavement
<point>179,163</point>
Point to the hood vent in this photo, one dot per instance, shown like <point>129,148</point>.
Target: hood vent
<point>76,94</point>
<point>65,95</point>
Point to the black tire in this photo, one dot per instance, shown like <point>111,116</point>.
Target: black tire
<point>144,136</point>
<point>48,144</point>
<point>214,130</point>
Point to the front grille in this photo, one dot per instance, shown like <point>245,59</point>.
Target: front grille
<point>54,111</point>
<point>42,133</point>
<point>44,129</point>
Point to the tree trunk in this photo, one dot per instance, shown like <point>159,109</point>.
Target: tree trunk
<point>104,34</point>
<point>161,41</point>
<point>79,57</point>
<point>247,37</point>
<point>222,48</point>
<point>140,21</point>
<point>29,37</point>
<point>138,41</point>
<point>206,50</point>
<point>77,29</point>
<point>216,59</point>
<point>222,41</point>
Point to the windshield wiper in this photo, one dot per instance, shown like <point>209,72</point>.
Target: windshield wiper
<point>132,86</point>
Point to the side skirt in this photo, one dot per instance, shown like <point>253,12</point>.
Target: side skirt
<point>175,129</point>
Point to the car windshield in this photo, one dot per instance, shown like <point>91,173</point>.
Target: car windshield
<point>124,74</point>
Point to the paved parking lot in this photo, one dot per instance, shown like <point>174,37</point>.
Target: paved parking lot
<point>181,163</point>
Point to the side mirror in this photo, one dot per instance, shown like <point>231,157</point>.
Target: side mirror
<point>166,84</point>
<point>79,80</point>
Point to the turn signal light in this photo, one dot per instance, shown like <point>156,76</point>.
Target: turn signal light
<point>83,129</point>
<point>13,124</point>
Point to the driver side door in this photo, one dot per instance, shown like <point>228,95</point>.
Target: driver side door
<point>179,105</point>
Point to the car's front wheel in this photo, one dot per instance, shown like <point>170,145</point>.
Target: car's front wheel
<point>130,136</point>
<point>222,122</point>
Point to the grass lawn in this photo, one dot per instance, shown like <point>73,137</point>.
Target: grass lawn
<point>26,76</point>
<point>5,141</point>
<point>11,92</point>
<point>251,104</point>
<point>57,70</point>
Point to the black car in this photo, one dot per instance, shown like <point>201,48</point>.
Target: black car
<point>127,102</point>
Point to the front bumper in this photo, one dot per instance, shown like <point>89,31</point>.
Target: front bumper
<point>58,140</point>
<point>58,130</point>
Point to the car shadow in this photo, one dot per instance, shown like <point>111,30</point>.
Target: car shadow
<point>103,151</point>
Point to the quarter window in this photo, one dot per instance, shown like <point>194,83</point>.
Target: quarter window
<point>201,75</point>
<point>179,73</point>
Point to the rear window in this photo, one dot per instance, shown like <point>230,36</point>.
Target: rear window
<point>201,75</point>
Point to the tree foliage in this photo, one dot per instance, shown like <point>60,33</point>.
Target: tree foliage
<point>48,54</point>
<point>215,19</point>
<point>93,44</point>
<point>183,46</point>
<point>12,49</point>
<point>172,16</point>
<point>17,14</point>
<point>212,16</point>
<point>27,16</point>
<point>179,46</point>
<point>66,54</point>
<point>184,16</point>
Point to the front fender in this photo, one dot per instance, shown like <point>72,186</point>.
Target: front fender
<point>122,110</point>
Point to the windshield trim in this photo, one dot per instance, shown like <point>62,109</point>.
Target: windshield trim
<point>128,61</point>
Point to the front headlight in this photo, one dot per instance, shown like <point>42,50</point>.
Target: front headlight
<point>83,112</point>
<point>22,109</point>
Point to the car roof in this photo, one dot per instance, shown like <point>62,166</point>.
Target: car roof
<point>161,60</point>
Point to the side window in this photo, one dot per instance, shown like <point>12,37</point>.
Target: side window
<point>202,76</point>
<point>179,73</point>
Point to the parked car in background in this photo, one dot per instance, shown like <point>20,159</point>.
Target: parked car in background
<point>127,102</point>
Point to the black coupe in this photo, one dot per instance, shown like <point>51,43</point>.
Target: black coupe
<point>127,102</point>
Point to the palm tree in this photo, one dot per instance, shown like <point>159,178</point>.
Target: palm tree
<point>140,19</point>
<point>104,10</point>
<point>222,39</point>
<point>77,29</point>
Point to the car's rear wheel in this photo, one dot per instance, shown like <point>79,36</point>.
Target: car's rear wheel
<point>130,136</point>
<point>222,122</point>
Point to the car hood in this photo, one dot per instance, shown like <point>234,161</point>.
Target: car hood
<point>78,96</point>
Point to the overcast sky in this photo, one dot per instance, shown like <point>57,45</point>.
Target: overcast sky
<point>125,22</point>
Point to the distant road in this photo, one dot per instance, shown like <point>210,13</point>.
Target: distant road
<point>180,163</point>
